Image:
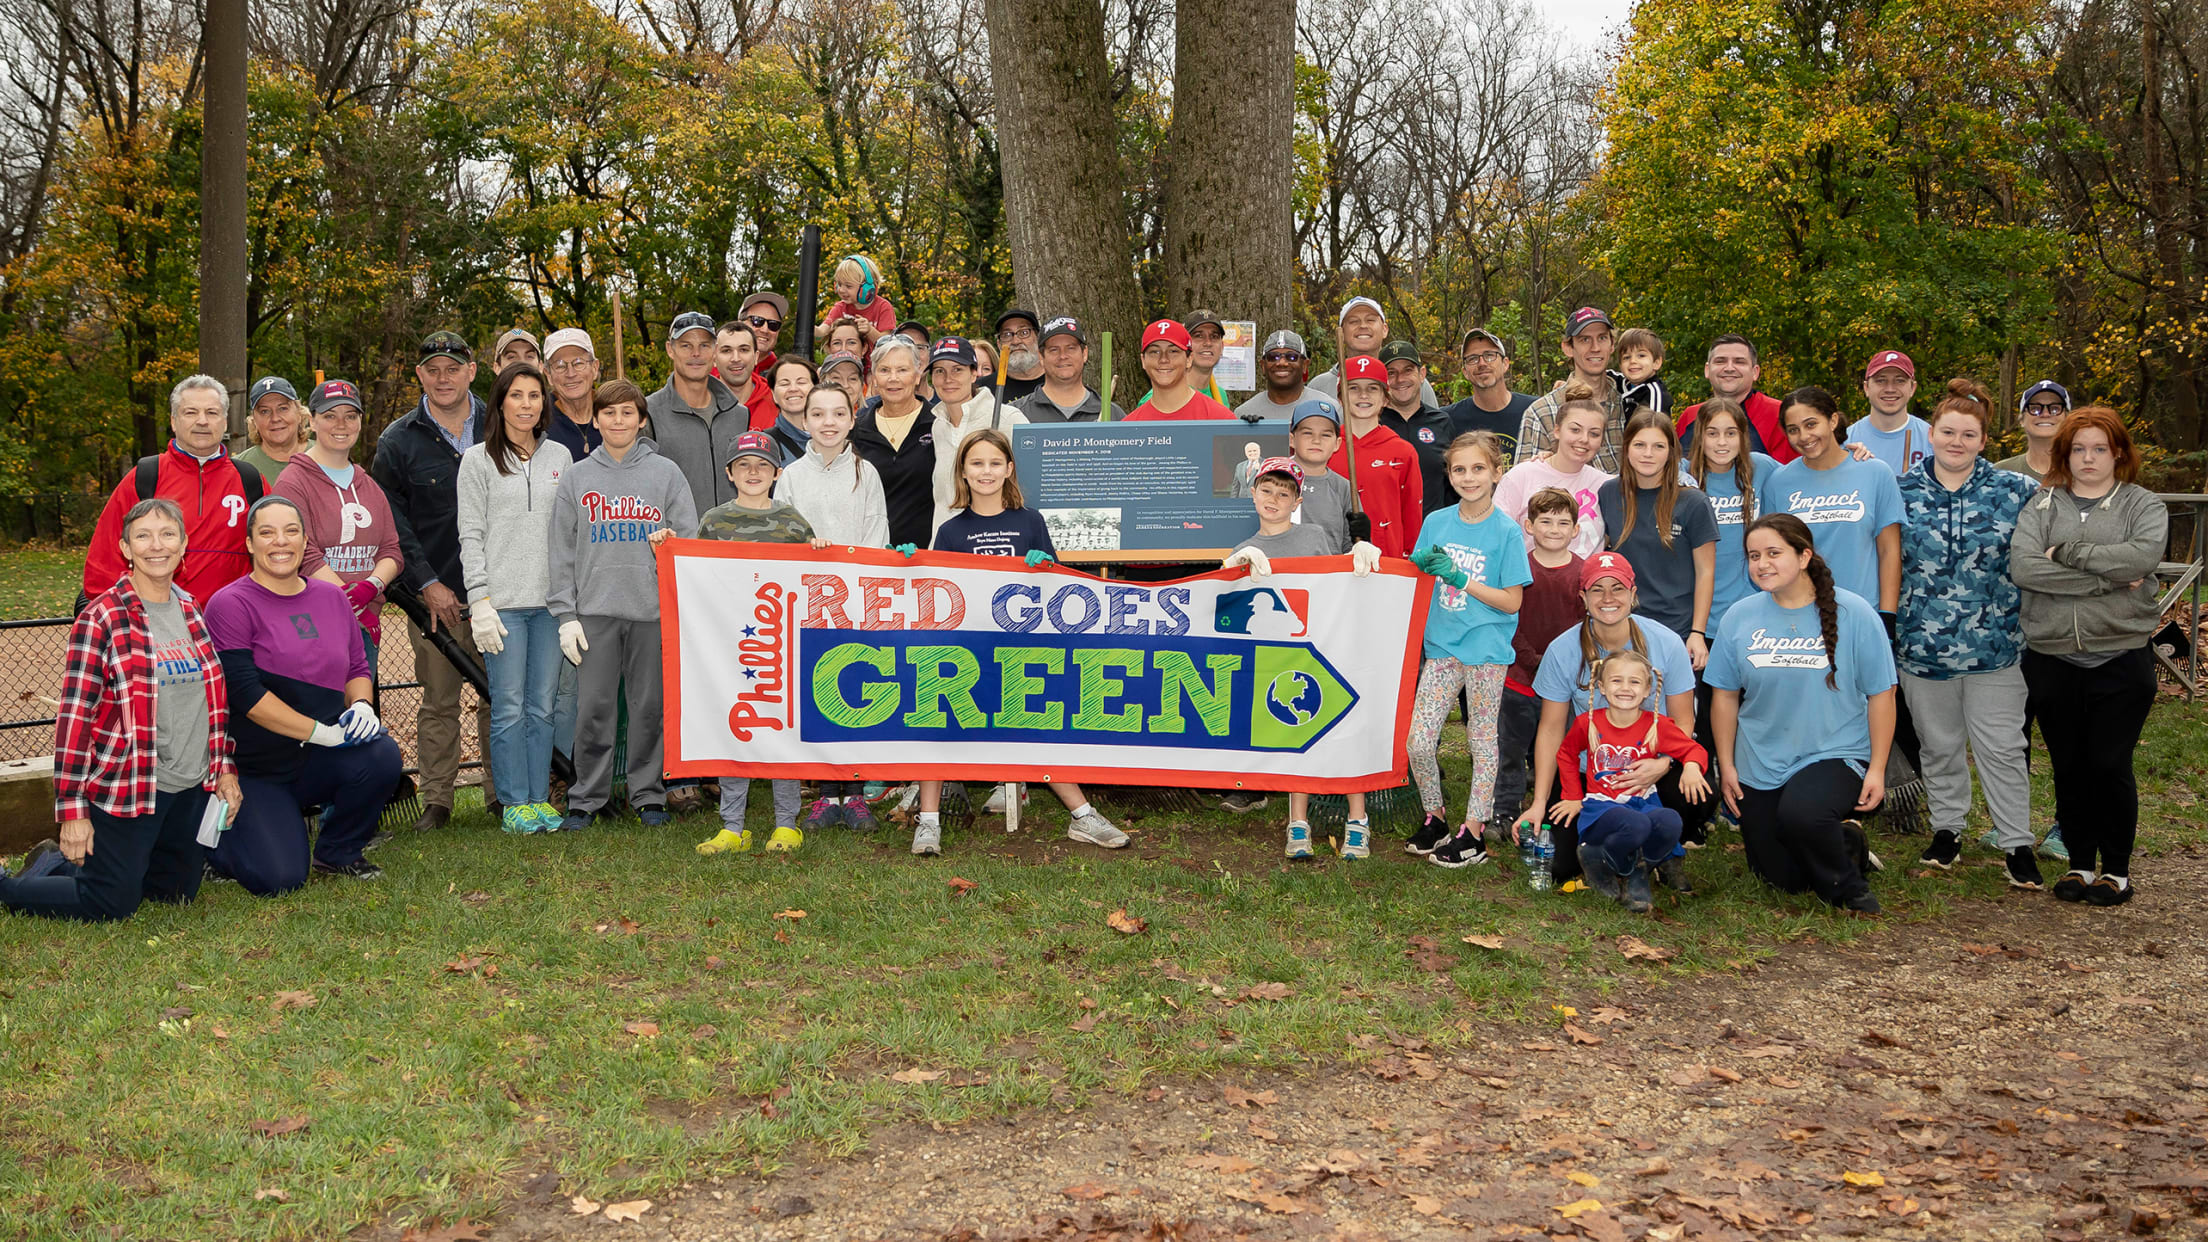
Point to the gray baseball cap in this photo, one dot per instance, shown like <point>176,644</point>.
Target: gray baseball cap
<point>1284,339</point>
<point>266,385</point>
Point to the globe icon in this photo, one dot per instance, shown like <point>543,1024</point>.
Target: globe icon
<point>1292,698</point>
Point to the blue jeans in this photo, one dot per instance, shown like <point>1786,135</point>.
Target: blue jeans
<point>525,678</point>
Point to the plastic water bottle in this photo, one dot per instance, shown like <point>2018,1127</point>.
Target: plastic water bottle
<point>1531,856</point>
<point>1541,876</point>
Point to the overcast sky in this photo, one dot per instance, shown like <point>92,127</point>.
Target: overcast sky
<point>1585,22</point>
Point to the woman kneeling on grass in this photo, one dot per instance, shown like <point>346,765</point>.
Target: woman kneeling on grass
<point>1803,709</point>
<point>140,740</point>
<point>991,521</point>
<point>298,674</point>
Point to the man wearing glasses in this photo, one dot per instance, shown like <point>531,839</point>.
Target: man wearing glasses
<point>572,363</point>
<point>1284,363</point>
<point>418,466</point>
<point>1019,340</point>
<point>763,312</point>
<point>2043,411</point>
<point>1492,407</point>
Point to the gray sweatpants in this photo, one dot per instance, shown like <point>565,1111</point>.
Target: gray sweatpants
<point>620,652</point>
<point>736,795</point>
<point>1987,711</point>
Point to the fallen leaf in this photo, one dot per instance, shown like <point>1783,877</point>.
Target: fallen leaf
<point>279,1127</point>
<point>1863,1179</point>
<point>915,1076</point>
<point>1768,1050</point>
<point>1582,1037</point>
<point>1572,886</point>
<point>705,1030</point>
<point>1636,948</point>
<point>463,965</point>
<point>1578,1207</point>
<point>1281,1204</point>
<point>1880,1039</point>
<point>780,914</point>
<point>634,1209</point>
<point>1236,1097</point>
<point>173,1012</point>
<point>960,885</point>
<point>642,1030</point>
<point>1425,1205</point>
<point>1654,1168</point>
<point>271,1192</point>
<point>1224,1164</point>
<point>1588,1180</point>
<point>581,1205</point>
<point>1485,942</point>
<point>1124,923</point>
<point>1087,1024</point>
<point>1608,1015</point>
<point>1269,991</point>
<point>1601,1227</point>
<point>714,963</point>
<point>459,1231</point>
<point>1719,1071</point>
<point>293,1000</point>
<point>1782,1083</point>
<point>781,935</point>
<point>1089,1191</point>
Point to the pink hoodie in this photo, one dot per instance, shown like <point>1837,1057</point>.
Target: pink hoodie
<point>348,528</point>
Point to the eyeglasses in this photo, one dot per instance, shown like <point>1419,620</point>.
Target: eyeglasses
<point>1012,335</point>
<point>1284,355</point>
<point>1482,360</point>
<point>761,321</point>
<point>2045,407</point>
<point>574,366</point>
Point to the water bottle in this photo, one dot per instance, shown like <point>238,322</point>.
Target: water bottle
<point>1547,851</point>
<point>1530,855</point>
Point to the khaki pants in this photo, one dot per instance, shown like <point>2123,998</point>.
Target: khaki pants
<point>437,723</point>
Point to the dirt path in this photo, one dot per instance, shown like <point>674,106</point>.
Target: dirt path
<point>2018,1070</point>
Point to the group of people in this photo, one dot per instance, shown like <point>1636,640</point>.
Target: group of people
<point>1647,615</point>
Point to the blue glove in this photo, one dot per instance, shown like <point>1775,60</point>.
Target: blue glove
<point>359,723</point>
<point>1037,557</point>
<point>905,549</point>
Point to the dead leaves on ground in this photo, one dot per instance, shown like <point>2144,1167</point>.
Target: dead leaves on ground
<point>1485,942</point>
<point>960,886</point>
<point>1637,949</point>
<point>460,1231</point>
<point>293,1000</point>
<point>279,1127</point>
<point>1425,953</point>
<point>1124,923</point>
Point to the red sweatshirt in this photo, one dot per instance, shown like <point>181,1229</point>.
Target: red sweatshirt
<point>1611,750</point>
<point>1764,420</point>
<point>878,312</point>
<point>213,500</point>
<point>1388,487</point>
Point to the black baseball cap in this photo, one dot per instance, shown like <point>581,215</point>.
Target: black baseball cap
<point>952,349</point>
<point>448,345</point>
<point>1017,313</point>
<point>1400,351</point>
<point>1064,325</point>
<point>1203,317</point>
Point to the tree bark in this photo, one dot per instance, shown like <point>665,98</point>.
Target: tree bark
<point>1063,205</point>
<point>1230,188</point>
<point>222,187</point>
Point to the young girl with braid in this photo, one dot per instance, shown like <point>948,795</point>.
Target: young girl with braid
<point>1477,554</point>
<point>1803,708</point>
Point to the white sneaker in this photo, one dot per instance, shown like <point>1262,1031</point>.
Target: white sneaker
<point>1094,829</point>
<point>927,839</point>
<point>995,805</point>
<point>1356,839</point>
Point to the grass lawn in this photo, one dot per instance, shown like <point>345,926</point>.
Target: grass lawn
<point>40,582</point>
<point>479,1015</point>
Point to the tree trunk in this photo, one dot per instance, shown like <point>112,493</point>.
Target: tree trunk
<point>1229,190</point>
<point>1063,210</point>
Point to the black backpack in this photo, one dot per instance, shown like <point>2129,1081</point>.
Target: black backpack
<point>146,477</point>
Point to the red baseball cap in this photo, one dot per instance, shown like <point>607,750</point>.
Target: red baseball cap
<point>1167,330</point>
<point>1606,565</point>
<point>1364,367</point>
<point>1889,358</point>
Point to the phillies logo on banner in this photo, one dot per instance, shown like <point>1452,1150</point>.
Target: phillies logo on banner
<point>837,664</point>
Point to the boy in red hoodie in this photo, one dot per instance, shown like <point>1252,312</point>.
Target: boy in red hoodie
<point>1625,831</point>
<point>1389,488</point>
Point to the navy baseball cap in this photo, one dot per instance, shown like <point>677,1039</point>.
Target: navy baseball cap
<point>278,384</point>
<point>2021,402</point>
<point>952,349</point>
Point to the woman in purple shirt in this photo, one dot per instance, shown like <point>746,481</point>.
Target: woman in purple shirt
<point>298,674</point>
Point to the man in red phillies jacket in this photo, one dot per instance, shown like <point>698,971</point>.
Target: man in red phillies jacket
<point>1733,368</point>
<point>199,475</point>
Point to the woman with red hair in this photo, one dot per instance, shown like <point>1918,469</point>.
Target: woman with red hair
<point>2085,553</point>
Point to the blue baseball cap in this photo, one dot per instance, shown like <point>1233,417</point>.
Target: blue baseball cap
<point>1315,407</point>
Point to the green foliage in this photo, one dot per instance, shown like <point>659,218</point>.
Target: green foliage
<point>1826,179</point>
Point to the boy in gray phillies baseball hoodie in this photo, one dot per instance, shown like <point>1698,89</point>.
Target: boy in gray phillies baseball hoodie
<point>612,510</point>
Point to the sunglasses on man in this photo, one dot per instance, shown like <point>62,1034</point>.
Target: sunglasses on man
<point>761,321</point>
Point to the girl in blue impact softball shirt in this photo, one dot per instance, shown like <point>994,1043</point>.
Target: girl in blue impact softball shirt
<point>1804,707</point>
<point>1737,480</point>
<point>1477,555</point>
<point>1851,505</point>
<point>989,519</point>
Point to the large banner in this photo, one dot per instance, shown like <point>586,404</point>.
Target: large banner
<point>857,664</point>
<point>1177,489</point>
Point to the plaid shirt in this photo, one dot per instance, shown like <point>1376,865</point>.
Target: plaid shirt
<point>103,734</point>
<point>1537,431</point>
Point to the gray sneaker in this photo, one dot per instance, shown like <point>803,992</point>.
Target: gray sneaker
<point>1094,829</point>
<point>927,838</point>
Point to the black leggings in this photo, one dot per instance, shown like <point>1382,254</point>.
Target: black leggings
<point>1793,833</point>
<point>2091,719</point>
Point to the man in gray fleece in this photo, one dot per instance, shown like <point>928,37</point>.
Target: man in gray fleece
<point>614,507</point>
<point>695,417</point>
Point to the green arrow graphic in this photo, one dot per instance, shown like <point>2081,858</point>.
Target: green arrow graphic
<point>1296,697</point>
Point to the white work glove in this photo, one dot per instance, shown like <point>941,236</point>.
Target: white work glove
<point>1261,565</point>
<point>326,735</point>
<point>490,634</point>
<point>359,723</point>
<point>572,642</point>
<point>1363,558</point>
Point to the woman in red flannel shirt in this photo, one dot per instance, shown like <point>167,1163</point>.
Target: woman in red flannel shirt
<point>141,740</point>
